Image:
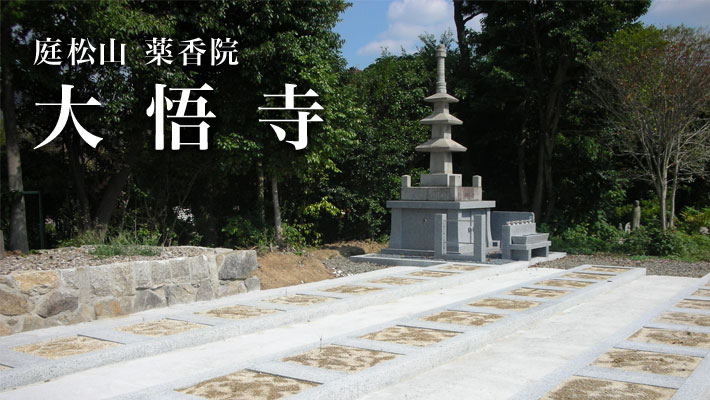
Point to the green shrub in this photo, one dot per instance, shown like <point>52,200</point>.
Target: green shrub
<point>692,220</point>
<point>241,232</point>
<point>577,240</point>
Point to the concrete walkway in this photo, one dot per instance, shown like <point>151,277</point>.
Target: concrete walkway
<point>493,359</point>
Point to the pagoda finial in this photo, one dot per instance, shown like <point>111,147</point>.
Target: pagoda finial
<point>440,69</point>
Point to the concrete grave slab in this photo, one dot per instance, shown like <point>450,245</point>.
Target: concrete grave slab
<point>464,318</point>
<point>539,293</point>
<point>163,327</point>
<point>239,312</point>
<point>394,280</point>
<point>432,274</point>
<point>248,385</point>
<point>458,267</point>
<point>411,336</point>
<point>341,358</point>
<point>568,283</point>
<point>693,303</point>
<point>582,388</point>
<point>580,275</point>
<point>300,300</point>
<point>672,337</point>
<point>679,318</point>
<point>504,304</point>
<point>608,270</point>
<point>647,361</point>
<point>352,289</point>
<point>65,347</point>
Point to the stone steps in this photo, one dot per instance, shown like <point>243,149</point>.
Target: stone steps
<point>413,344</point>
<point>127,338</point>
<point>677,332</point>
<point>342,354</point>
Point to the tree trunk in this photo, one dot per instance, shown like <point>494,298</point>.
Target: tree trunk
<point>18,222</point>
<point>260,194</point>
<point>522,178</point>
<point>539,183</point>
<point>277,211</point>
<point>662,193</point>
<point>72,146</point>
<point>673,192</point>
<point>110,197</point>
<point>460,22</point>
<point>550,188</point>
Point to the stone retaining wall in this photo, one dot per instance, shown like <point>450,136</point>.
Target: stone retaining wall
<point>38,299</point>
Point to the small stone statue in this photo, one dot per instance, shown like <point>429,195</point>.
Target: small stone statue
<point>636,220</point>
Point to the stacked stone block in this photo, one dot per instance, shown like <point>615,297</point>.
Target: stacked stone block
<point>38,299</point>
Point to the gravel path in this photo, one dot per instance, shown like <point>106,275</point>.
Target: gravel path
<point>654,266</point>
<point>72,257</point>
<point>341,266</point>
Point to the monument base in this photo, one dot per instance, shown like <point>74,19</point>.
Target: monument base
<point>414,230</point>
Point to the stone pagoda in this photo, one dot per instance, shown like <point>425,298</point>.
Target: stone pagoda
<point>417,224</point>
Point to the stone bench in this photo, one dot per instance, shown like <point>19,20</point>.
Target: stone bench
<point>516,232</point>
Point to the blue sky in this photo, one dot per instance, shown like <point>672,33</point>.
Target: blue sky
<point>370,25</point>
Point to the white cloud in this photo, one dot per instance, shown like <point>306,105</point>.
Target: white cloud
<point>419,11</point>
<point>689,12</point>
<point>407,19</point>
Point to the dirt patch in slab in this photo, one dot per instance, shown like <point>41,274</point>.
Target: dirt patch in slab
<point>581,275</point>
<point>394,280</point>
<point>646,361</point>
<point>248,385</point>
<point>540,293</point>
<point>349,248</point>
<point>684,319</point>
<point>665,336</point>
<point>239,312</point>
<point>432,274</point>
<point>702,293</point>
<point>464,318</point>
<point>579,388</point>
<point>611,270</point>
<point>697,304</point>
<point>65,347</point>
<point>352,289</point>
<point>341,358</point>
<point>457,267</point>
<point>505,304</point>
<point>301,300</point>
<point>282,268</point>
<point>279,269</point>
<point>564,283</point>
<point>163,327</point>
<point>4,367</point>
<point>410,335</point>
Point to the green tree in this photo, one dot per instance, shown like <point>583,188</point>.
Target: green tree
<point>287,42</point>
<point>655,88</point>
<point>98,175</point>
<point>538,48</point>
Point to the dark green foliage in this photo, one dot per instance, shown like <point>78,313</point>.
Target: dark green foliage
<point>338,186</point>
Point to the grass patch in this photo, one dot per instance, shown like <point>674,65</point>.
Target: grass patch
<point>104,245</point>
<point>111,250</point>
